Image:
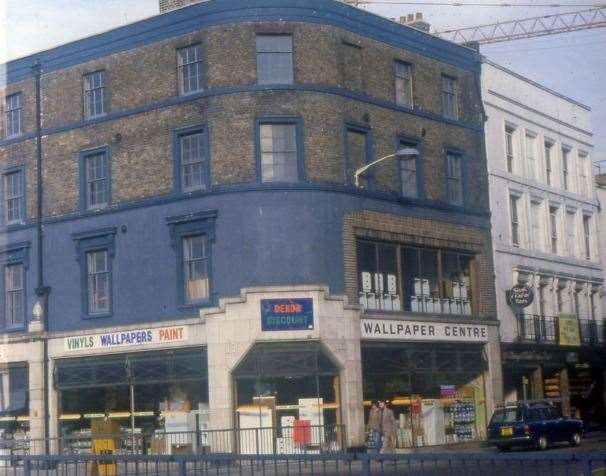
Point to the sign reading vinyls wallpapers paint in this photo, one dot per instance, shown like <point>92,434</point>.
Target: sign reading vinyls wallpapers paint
<point>112,340</point>
<point>287,314</point>
<point>569,330</point>
<point>385,329</point>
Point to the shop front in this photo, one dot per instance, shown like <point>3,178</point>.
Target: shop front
<point>14,408</point>
<point>287,399</point>
<point>434,376</point>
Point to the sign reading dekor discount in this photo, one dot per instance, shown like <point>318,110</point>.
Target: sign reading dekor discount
<point>111,340</point>
<point>569,330</point>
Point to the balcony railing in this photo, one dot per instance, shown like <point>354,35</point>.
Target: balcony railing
<point>545,330</point>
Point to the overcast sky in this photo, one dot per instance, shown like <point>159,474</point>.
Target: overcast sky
<point>573,64</point>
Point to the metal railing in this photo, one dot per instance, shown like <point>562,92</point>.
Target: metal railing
<point>283,440</point>
<point>540,329</point>
<point>545,330</point>
<point>425,464</point>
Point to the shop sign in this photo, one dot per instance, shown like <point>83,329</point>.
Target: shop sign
<point>112,340</point>
<point>569,330</point>
<point>287,314</point>
<point>422,331</point>
<point>520,296</point>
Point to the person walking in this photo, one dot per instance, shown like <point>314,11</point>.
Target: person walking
<point>374,428</point>
<point>387,429</point>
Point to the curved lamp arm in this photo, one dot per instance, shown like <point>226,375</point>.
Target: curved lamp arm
<point>407,152</point>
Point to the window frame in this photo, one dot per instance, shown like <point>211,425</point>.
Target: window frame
<point>178,134</point>
<point>455,97</point>
<point>104,95</point>
<point>450,151</point>
<point>548,146</point>
<point>199,223</point>
<point>514,221</point>
<point>402,142</point>
<point>300,149</point>
<point>87,242</point>
<point>571,232</point>
<point>14,254</point>
<point>108,272</point>
<point>85,155</point>
<point>180,68</point>
<point>565,161</point>
<point>587,251</point>
<point>258,53</point>
<point>584,186</point>
<point>536,223</point>
<point>409,88</point>
<point>532,169</point>
<point>8,112</point>
<point>348,172</point>
<point>19,169</point>
<point>510,158</point>
<point>554,229</point>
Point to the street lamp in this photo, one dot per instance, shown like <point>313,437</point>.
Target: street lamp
<point>400,153</point>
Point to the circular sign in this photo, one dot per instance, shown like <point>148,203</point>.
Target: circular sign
<point>520,296</point>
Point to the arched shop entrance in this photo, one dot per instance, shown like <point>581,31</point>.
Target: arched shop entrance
<point>287,399</point>
<point>436,392</point>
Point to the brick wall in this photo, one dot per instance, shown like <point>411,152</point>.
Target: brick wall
<point>166,5</point>
<point>142,163</point>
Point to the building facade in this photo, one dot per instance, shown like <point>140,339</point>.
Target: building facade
<point>545,231</point>
<point>203,259</point>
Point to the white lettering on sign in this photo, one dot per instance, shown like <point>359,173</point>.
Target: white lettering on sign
<point>110,340</point>
<point>422,331</point>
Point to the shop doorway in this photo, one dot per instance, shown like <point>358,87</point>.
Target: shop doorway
<point>287,400</point>
<point>437,392</point>
<point>158,399</point>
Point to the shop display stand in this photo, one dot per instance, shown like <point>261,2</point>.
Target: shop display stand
<point>463,420</point>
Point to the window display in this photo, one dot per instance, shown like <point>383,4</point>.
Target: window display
<point>437,395</point>
<point>14,408</point>
<point>160,397</point>
<point>287,400</point>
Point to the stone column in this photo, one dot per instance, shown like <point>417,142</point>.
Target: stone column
<point>494,374</point>
<point>36,404</point>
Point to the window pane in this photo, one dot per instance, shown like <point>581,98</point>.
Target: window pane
<point>13,111</point>
<point>403,84</point>
<point>94,94</point>
<point>97,180</point>
<point>193,161</point>
<point>189,61</point>
<point>14,196</point>
<point>195,268</point>
<point>14,294</point>
<point>454,177</point>
<point>98,279</point>
<point>274,59</point>
<point>279,162</point>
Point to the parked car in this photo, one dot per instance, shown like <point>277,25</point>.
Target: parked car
<point>535,424</point>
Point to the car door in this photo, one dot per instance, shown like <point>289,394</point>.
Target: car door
<point>557,424</point>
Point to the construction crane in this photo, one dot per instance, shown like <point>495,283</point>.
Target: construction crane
<point>528,27</point>
<point>517,29</point>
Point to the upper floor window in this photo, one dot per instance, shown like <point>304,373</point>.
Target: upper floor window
<point>509,147</point>
<point>548,166</point>
<point>98,275</point>
<point>587,235</point>
<point>565,170</point>
<point>14,196</point>
<point>195,268</point>
<point>537,225</point>
<point>403,83</point>
<point>515,220</point>
<point>274,59</point>
<point>357,154</point>
<point>14,114</point>
<point>583,166</point>
<point>409,172</point>
<point>189,65</point>
<point>571,231</point>
<point>279,161</point>
<point>398,277</point>
<point>531,156</point>
<point>449,98</point>
<point>94,94</point>
<point>553,228</point>
<point>96,179</point>
<point>14,294</point>
<point>192,160</point>
<point>454,178</point>
<point>352,69</point>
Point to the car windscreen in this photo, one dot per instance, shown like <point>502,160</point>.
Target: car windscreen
<point>506,415</point>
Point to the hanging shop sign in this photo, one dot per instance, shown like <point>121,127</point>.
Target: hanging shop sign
<point>287,314</point>
<point>112,340</point>
<point>520,296</point>
<point>422,331</point>
<point>569,330</point>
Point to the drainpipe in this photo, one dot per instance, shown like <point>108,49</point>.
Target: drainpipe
<point>41,290</point>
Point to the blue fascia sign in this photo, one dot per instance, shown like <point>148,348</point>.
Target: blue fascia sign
<point>287,314</point>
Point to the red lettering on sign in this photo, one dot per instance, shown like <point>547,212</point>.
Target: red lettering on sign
<point>287,308</point>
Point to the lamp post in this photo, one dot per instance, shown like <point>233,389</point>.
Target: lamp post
<point>400,153</point>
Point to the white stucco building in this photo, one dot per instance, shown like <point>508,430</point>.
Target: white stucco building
<point>545,236</point>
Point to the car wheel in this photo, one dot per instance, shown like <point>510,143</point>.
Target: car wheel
<point>576,439</point>
<point>542,443</point>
